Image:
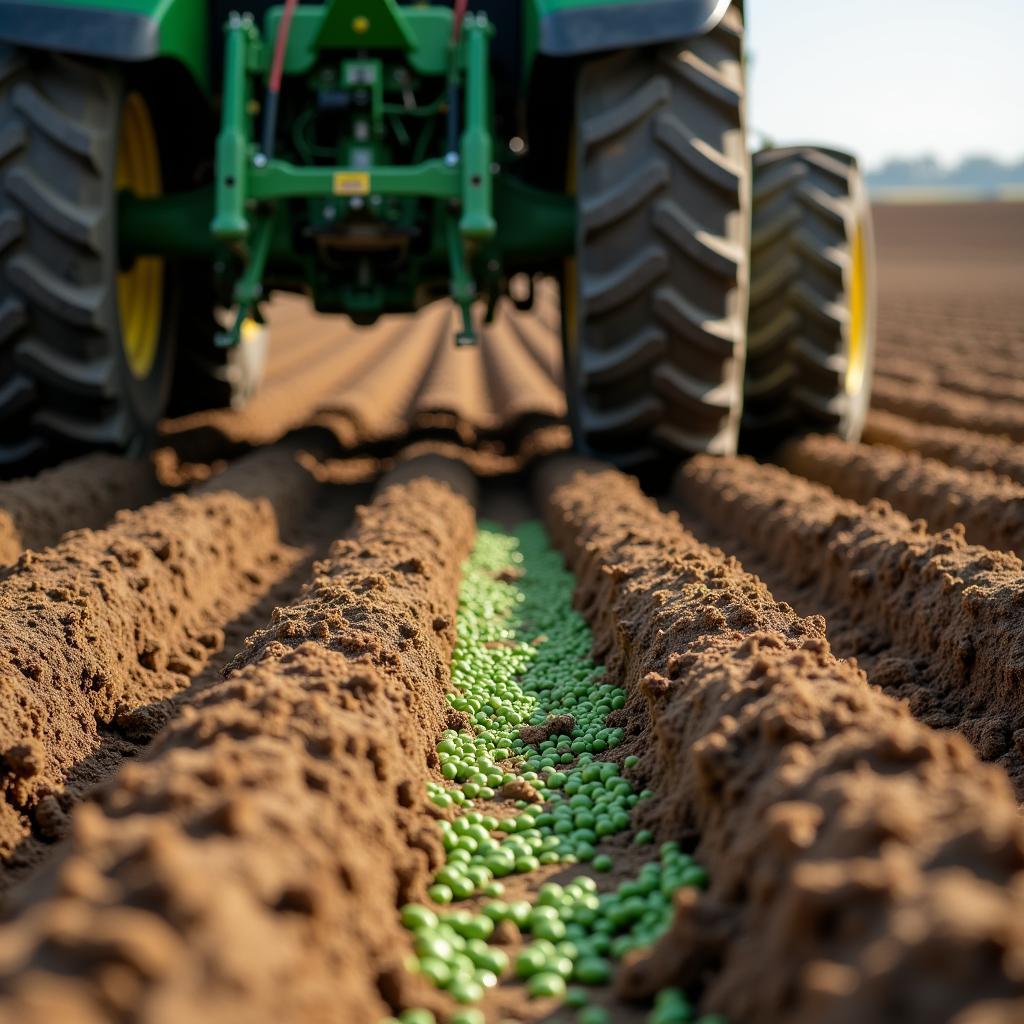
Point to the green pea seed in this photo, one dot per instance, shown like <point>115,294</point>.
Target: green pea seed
<point>545,984</point>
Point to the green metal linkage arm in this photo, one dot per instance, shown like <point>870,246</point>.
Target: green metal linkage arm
<point>477,219</point>
<point>461,284</point>
<point>249,287</point>
<point>171,225</point>
<point>281,180</point>
<point>230,222</point>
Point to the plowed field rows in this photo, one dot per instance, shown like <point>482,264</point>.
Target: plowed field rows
<point>367,702</point>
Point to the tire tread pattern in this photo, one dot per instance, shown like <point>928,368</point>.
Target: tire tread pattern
<point>655,368</point>
<point>807,204</point>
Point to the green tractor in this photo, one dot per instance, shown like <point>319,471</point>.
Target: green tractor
<point>166,164</point>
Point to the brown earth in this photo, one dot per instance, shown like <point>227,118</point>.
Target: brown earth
<point>248,867</point>
<point>934,620</point>
<point>990,508</point>
<point>251,835</point>
<point>847,840</point>
<point>964,448</point>
<point>102,630</point>
<point>397,381</point>
<point>80,494</point>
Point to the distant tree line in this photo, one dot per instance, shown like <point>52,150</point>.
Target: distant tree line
<point>979,173</point>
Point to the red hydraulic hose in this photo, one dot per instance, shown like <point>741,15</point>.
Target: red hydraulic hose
<point>460,13</point>
<point>281,44</point>
<point>276,71</point>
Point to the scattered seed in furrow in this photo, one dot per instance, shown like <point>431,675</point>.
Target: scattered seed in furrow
<point>844,838</point>
<point>103,628</point>
<point>933,619</point>
<point>249,866</point>
<point>991,509</point>
<point>945,408</point>
<point>549,884</point>
<point>965,448</point>
<point>81,494</point>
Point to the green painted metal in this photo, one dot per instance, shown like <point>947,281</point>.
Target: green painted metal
<point>230,222</point>
<point>279,179</point>
<point>175,224</point>
<point>181,29</point>
<point>534,226</point>
<point>363,24</point>
<point>429,29</point>
<point>477,219</point>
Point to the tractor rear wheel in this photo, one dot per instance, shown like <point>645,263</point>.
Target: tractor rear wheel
<point>86,349</point>
<point>811,333</point>
<point>654,303</point>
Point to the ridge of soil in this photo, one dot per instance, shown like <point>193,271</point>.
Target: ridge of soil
<point>104,628</point>
<point>845,839</point>
<point>990,509</point>
<point>248,866</point>
<point>81,494</point>
<point>934,620</point>
<point>401,379</point>
<point>953,445</point>
<point>949,409</point>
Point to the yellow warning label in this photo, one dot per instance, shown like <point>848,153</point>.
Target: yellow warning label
<point>352,183</point>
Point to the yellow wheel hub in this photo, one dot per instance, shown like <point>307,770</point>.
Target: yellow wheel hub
<point>856,355</point>
<point>140,288</point>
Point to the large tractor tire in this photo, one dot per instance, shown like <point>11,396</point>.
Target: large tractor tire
<point>88,345</point>
<point>811,335</point>
<point>85,347</point>
<point>654,303</point>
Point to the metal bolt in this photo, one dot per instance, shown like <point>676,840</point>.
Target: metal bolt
<point>451,159</point>
<point>259,160</point>
<point>356,203</point>
<point>330,212</point>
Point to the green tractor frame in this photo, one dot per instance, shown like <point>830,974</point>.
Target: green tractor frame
<point>165,165</point>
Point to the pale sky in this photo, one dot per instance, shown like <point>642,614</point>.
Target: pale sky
<point>890,77</point>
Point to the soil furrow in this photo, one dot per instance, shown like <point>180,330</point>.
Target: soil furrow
<point>990,509</point>
<point>102,629</point>
<point>284,405</point>
<point>945,408</point>
<point>844,838</point>
<point>933,620</point>
<point>249,865</point>
<point>542,343</point>
<point>81,494</point>
<point>999,382</point>
<point>377,399</point>
<point>519,386</point>
<point>453,393</point>
<point>965,448</point>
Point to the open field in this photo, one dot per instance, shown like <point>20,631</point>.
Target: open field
<point>379,642</point>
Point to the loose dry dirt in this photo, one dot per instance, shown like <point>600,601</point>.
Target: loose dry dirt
<point>219,707</point>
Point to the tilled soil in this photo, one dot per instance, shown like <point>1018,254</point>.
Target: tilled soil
<point>402,379</point>
<point>227,715</point>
